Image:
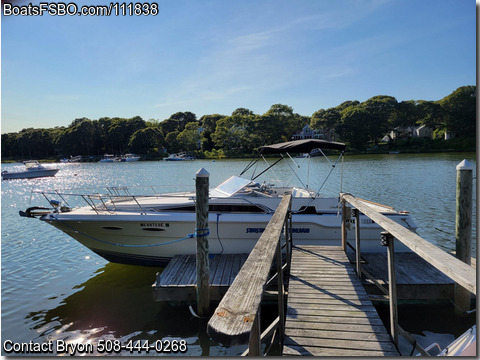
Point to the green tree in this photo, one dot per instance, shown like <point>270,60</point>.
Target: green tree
<point>189,138</point>
<point>278,124</point>
<point>381,108</point>
<point>354,126</point>
<point>80,138</point>
<point>347,104</point>
<point>119,133</point>
<point>325,119</point>
<point>10,146</point>
<point>171,142</point>
<point>431,114</point>
<point>177,122</point>
<point>209,124</point>
<point>460,106</point>
<point>146,141</point>
<point>242,112</point>
<point>406,114</point>
<point>236,133</point>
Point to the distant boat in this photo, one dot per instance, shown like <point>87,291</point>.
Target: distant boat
<point>77,158</point>
<point>130,157</point>
<point>34,170</point>
<point>107,158</point>
<point>181,156</point>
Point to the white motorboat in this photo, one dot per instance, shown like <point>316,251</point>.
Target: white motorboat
<point>72,159</point>
<point>34,170</point>
<point>107,158</point>
<point>181,156</point>
<point>129,157</point>
<point>151,229</point>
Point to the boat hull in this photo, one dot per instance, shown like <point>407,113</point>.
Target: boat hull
<point>153,239</point>
<point>30,174</point>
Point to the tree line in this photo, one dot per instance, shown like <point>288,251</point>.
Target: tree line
<point>360,125</point>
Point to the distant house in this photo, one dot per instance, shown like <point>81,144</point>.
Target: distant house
<point>402,132</point>
<point>386,138</point>
<point>423,132</point>
<point>309,133</point>
<point>405,132</point>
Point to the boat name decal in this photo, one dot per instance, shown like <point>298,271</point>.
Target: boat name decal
<point>154,224</point>
<point>294,230</point>
<point>363,221</point>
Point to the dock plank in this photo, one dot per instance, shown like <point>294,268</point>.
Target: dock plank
<point>329,312</point>
<point>178,280</point>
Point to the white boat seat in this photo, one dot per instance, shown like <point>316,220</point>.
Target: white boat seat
<point>300,193</point>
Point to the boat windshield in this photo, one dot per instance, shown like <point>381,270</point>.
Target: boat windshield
<point>231,186</point>
<point>32,164</point>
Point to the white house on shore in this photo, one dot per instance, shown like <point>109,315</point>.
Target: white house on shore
<point>308,133</point>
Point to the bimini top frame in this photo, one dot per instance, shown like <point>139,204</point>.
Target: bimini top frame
<point>300,146</point>
<point>296,146</point>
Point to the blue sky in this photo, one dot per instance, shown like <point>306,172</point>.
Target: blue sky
<point>214,56</point>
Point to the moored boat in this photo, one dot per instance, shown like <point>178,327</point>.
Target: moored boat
<point>151,229</point>
<point>107,158</point>
<point>181,156</point>
<point>129,157</point>
<point>34,170</point>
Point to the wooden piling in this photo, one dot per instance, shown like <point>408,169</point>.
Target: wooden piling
<point>388,240</point>
<point>202,262</point>
<point>344,226</point>
<point>463,229</point>
<point>357,242</point>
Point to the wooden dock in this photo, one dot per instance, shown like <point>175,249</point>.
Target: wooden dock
<point>178,280</point>
<point>417,281</point>
<point>329,312</point>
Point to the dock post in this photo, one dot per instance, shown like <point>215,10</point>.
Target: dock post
<point>201,230</point>
<point>463,229</point>
<point>358,257</point>
<point>388,240</point>
<point>344,226</point>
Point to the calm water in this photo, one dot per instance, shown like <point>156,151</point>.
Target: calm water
<point>55,289</point>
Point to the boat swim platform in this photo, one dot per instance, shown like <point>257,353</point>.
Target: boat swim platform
<point>329,313</point>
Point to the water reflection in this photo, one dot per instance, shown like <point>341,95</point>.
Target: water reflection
<point>117,303</point>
